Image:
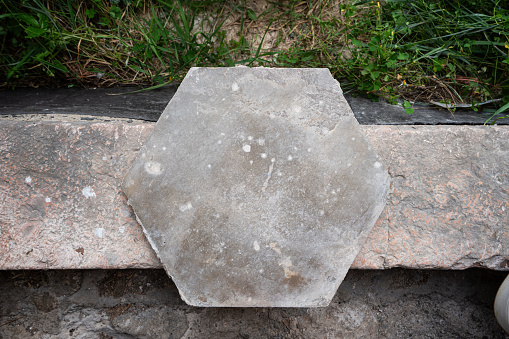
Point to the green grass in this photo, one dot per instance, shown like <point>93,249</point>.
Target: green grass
<point>444,51</point>
<point>111,43</point>
<point>451,52</point>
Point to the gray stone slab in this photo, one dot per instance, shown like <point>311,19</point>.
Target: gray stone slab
<point>368,112</point>
<point>118,102</point>
<point>257,187</point>
<point>125,102</point>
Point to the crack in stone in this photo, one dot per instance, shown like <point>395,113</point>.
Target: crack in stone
<point>269,175</point>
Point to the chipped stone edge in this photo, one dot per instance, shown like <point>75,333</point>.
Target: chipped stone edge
<point>377,212</point>
<point>154,247</point>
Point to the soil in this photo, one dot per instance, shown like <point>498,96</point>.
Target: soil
<point>145,304</point>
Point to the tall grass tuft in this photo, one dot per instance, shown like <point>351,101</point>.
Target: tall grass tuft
<point>110,42</point>
<point>451,52</point>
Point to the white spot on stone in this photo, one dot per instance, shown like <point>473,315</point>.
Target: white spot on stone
<point>209,166</point>
<point>377,164</point>
<point>261,270</point>
<point>48,199</point>
<point>249,138</point>
<point>322,212</point>
<point>185,207</point>
<point>256,246</point>
<point>249,299</point>
<point>153,168</point>
<point>353,139</point>
<point>250,162</point>
<point>309,149</point>
<point>273,159</point>
<point>104,158</point>
<point>247,148</point>
<point>263,155</point>
<point>223,134</point>
<point>88,192</point>
<point>261,142</point>
<point>219,142</point>
<point>164,148</point>
<point>99,232</point>
<point>121,229</point>
<point>235,87</point>
<point>28,180</point>
<point>290,158</point>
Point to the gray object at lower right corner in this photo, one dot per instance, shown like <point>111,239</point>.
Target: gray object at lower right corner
<point>501,305</point>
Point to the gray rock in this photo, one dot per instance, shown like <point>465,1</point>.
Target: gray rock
<point>64,104</point>
<point>257,187</point>
<point>145,322</point>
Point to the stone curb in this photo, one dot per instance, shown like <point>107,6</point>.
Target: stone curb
<point>61,205</point>
<point>124,102</point>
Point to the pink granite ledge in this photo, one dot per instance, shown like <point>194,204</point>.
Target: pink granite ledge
<point>61,205</point>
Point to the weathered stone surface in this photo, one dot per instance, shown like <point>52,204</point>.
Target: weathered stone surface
<point>450,204</point>
<point>60,201</point>
<point>436,172</point>
<point>257,187</point>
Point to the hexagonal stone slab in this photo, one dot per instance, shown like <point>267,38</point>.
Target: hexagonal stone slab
<point>257,187</point>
